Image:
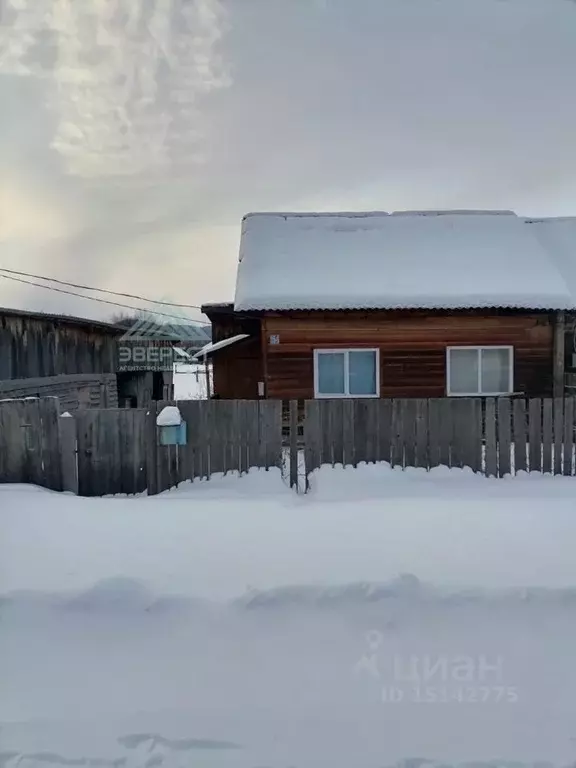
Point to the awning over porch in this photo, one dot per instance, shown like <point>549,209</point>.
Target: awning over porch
<point>208,349</point>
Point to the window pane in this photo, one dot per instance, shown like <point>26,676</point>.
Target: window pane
<point>495,370</point>
<point>331,373</point>
<point>463,371</point>
<point>362,372</point>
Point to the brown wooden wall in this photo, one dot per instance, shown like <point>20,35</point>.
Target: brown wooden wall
<point>412,347</point>
<point>237,369</point>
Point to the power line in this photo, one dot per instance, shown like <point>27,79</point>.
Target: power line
<point>94,298</point>
<point>99,290</point>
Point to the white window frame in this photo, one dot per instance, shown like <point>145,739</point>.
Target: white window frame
<point>346,353</point>
<point>479,349</point>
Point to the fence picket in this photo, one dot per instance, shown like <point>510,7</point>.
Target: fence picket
<point>384,436</point>
<point>348,447</point>
<point>273,412</point>
<point>251,421</point>
<point>360,422</point>
<point>474,458</point>
<point>324,414</point>
<point>294,444</point>
<point>434,432</point>
<point>313,438</point>
<point>491,448</point>
<point>504,436</point>
<point>547,434</point>
<point>519,416</point>
<point>459,431</point>
<point>558,434</point>
<point>421,434</point>
<point>568,436</point>
<point>409,432</point>
<point>396,440</point>
<point>337,430</point>
<point>535,434</point>
<point>372,429</point>
<point>446,431</point>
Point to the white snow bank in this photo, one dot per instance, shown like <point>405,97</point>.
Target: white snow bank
<point>291,687</point>
<point>366,525</point>
<point>413,260</point>
<point>233,624</point>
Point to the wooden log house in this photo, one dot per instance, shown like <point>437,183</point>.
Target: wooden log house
<point>411,304</point>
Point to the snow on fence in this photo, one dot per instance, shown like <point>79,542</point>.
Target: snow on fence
<point>97,452</point>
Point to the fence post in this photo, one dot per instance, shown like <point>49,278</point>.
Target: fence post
<point>151,448</point>
<point>68,453</point>
<point>294,444</point>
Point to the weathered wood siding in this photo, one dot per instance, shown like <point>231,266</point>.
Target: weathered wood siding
<point>111,451</point>
<point>34,346</point>
<point>30,442</point>
<point>84,390</point>
<point>412,347</point>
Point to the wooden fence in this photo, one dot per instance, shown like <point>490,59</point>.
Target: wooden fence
<point>222,436</point>
<point>30,442</point>
<point>111,451</point>
<point>97,452</point>
<point>494,436</point>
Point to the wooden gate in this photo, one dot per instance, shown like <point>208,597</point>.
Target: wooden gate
<point>111,451</point>
<point>30,442</point>
<point>223,436</point>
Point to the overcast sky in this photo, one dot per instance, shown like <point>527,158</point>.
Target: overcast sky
<point>134,134</point>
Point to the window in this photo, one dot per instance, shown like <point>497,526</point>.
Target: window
<point>346,373</point>
<point>480,370</point>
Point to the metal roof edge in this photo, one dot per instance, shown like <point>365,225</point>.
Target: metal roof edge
<point>69,319</point>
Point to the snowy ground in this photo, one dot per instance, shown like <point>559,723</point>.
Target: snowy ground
<point>387,616</point>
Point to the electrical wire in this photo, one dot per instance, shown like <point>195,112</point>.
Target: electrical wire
<point>99,290</point>
<point>102,301</point>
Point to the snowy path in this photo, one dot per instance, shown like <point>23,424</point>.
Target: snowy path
<point>183,630</point>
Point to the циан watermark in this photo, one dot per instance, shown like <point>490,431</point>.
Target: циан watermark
<point>436,678</point>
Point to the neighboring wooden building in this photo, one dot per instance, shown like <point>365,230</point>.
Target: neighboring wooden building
<point>426,304</point>
<point>74,359</point>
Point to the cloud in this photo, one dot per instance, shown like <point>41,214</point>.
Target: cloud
<point>167,120</point>
<point>124,78</point>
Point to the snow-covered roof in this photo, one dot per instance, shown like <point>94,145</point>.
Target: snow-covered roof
<point>409,260</point>
<point>215,346</point>
<point>558,237</point>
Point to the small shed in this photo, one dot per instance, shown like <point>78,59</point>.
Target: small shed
<point>73,358</point>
